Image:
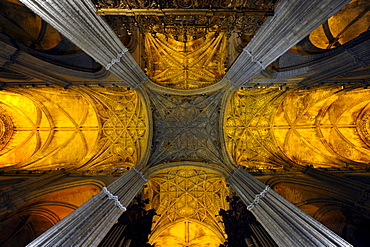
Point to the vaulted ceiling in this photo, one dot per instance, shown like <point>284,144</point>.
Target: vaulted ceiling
<point>199,111</point>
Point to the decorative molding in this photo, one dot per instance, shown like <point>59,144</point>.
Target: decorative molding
<point>258,197</point>
<point>115,198</point>
<point>187,18</point>
<point>140,173</point>
<point>254,59</point>
<point>117,59</point>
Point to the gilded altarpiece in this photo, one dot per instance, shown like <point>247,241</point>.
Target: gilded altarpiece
<point>84,128</point>
<point>187,201</point>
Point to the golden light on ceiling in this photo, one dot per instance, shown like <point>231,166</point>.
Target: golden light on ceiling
<point>84,128</point>
<point>185,65</point>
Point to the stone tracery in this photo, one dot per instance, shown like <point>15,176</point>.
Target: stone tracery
<point>186,128</point>
<point>185,110</point>
<point>188,194</point>
<point>109,126</point>
<point>6,129</point>
<point>185,64</point>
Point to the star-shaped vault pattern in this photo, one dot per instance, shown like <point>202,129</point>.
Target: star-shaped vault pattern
<point>186,128</point>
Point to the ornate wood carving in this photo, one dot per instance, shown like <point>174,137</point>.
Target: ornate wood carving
<point>187,4</point>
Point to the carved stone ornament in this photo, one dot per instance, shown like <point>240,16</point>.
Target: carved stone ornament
<point>363,125</point>
<point>186,128</point>
<point>187,18</point>
<point>6,128</point>
<point>185,41</point>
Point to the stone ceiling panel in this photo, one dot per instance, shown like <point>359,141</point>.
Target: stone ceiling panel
<point>186,128</point>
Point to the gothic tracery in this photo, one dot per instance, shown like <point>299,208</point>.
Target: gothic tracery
<point>188,130</point>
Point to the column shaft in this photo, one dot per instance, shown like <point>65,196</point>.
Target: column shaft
<point>77,20</point>
<point>286,224</point>
<point>292,21</point>
<point>87,225</point>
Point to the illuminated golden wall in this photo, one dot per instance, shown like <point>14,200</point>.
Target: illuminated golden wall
<point>83,128</point>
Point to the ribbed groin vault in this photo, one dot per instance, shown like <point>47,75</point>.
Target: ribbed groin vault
<point>184,123</point>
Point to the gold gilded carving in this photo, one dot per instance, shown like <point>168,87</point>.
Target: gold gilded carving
<point>185,4</point>
<point>187,199</point>
<point>185,64</point>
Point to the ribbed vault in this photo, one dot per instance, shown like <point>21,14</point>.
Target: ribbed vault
<point>186,124</point>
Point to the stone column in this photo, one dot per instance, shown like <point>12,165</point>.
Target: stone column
<point>14,196</point>
<point>77,21</point>
<point>87,225</point>
<point>293,20</point>
<point>285,223</point>
<point>262,236</point>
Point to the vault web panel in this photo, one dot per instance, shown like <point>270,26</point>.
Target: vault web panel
<point>186,128</point>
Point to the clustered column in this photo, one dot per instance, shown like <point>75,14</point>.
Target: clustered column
<point>286,224</point>
<point>87,225</point>
<point>292,21</point>
<point>77,21</point>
